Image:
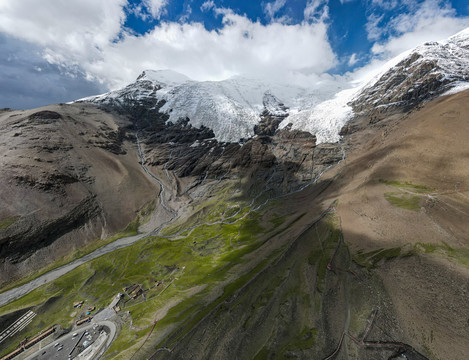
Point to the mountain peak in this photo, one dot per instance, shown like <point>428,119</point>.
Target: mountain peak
<point>416,76</point>
<point>167,76</point>
<point>462,37</point>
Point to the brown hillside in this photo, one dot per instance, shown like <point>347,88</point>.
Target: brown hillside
<point>405,184</point>
<point>69,176</point>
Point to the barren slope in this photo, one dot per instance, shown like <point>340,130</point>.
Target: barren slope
<point>69,176</point>
<point>404,185</point>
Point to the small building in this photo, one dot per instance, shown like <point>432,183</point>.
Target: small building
<point>115,301</point>
<point>78,304</point>
<point>88,318</point>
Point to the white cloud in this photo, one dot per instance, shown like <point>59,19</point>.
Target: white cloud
<point>373,28</point>
<point>272,8</point>
<point>316,10</point>
<point>148,9</point>
<point>155,7</point>
<point>88,36</point>
<point>65,29</point>
<point>240,47</point>
<point>183,18</point>
<point>208,5</point>
<point>386,4</point>
<point>353,59</point>
<point>431,20</point>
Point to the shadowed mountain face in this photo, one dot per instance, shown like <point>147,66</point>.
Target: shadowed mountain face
<point>394,287</point>
<point>67,169</point>
<point>290,158</point>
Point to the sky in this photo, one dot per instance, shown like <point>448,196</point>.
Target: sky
<point>55,51</point>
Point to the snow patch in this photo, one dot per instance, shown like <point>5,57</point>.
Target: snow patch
<point>168,77</point>
<point>457,87</point>
<point>326,119</point>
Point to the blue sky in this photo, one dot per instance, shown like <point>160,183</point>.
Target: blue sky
<point>54,51</point>
<point>346,31</point>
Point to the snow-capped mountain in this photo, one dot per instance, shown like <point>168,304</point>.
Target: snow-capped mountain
<point>232,108</point>
<point>273,106</point>
<point>415,76</point>
<point>419,75</point>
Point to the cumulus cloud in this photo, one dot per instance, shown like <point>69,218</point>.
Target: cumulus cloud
<point>239,47</point>
<point>88,35</point>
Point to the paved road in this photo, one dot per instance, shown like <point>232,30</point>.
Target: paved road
<point>68,342</point>
<point>22,290</point>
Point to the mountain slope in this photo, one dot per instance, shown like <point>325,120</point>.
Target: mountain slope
<point>66,169</point>
<point>405,186</point>
<point>419,75</point>
<point>268,241</point>
<point>401,272</point>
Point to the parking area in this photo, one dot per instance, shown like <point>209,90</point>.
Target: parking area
<point>70,345</point>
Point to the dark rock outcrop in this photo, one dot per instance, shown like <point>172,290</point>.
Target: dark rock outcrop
<point>28,234</point>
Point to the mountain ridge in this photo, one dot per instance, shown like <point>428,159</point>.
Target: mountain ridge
<point>232,108</point>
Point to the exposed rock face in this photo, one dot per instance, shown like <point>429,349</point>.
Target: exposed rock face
<point>427,72</point>
<point>292,156</point>
<point>189,151</point>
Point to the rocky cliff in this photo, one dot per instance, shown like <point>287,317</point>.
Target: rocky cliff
<point>420,75</point>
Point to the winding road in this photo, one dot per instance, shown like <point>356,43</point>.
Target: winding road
<point>20,291</point>
<point>15,293</point>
